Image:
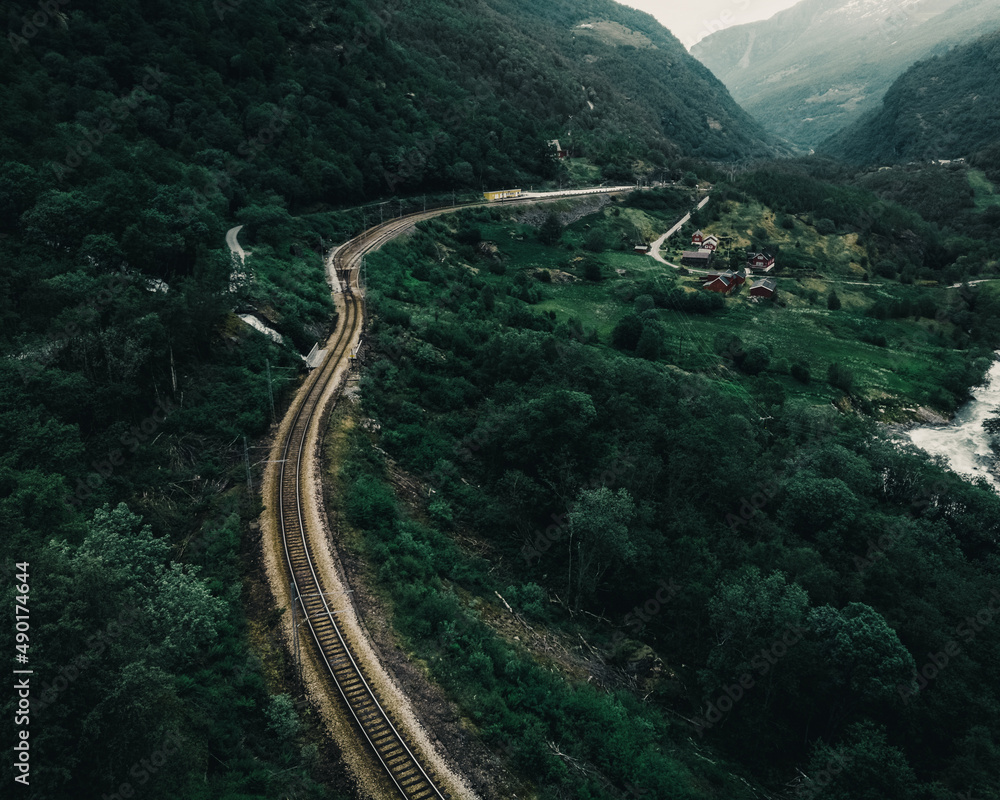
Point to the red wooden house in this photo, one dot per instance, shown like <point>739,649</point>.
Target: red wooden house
<point>760,262</point>
<point>737,278</point>
<point>723,284</point>
<point>697,238</point>
<point>764,288</point>
<point>710,243</point>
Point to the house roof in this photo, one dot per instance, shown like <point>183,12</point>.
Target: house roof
<point>767,283</point>
<point>699,254</point>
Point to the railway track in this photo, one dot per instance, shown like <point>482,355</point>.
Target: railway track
<point>335,651</point>
<point>309,594</point>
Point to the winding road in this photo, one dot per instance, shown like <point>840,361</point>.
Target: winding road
<point>655,251</point>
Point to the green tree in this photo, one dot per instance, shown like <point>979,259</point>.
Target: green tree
<point>599,539</point>
<point>595,240</point>
<point>592,270</point>
<point>650,344</point>
<point>863,659</point>
<point>746,613</point>
<point>833,301</point>
<point>551,229</point>
<point>840,377</point>
<point>862,766</point>
<point>627,332</point>
<point>754,359</point>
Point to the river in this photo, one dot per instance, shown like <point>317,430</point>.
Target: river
<point>963,443</point>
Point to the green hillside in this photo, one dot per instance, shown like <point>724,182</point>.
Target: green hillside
<point>133,135</point>
<point>520,364</point>
<point>946,107</point>
<point>363,99</point>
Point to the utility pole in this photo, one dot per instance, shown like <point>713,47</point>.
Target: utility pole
<point>425,202</point>
<point>246,460</point>
<point>400,209</point>
<point>270,391</point>
<point>381,218</point>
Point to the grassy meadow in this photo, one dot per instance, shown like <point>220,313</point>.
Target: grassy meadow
<point>898,363</point>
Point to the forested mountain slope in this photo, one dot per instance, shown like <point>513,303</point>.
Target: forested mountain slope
<point>946,107</point>
<point>133,135</point>
<point>818,66</point>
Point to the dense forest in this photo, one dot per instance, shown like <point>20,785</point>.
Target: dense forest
<point>133,136</point>
<point>135,406</point>
<point>784,585</point>
<point>944,107</point>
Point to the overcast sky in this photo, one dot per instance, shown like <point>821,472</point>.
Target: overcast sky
<point>691,21</point>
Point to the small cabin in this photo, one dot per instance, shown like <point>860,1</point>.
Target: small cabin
<point>697,258</point>
<point>642,249</point>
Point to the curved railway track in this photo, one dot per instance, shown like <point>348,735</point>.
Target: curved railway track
<point>334,648</point>
<point>309,594</point>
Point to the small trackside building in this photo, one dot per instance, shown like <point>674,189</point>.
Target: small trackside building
<point>502,194</point>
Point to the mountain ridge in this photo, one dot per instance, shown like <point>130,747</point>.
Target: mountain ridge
<point>813,69</point>
<point>942,108</point>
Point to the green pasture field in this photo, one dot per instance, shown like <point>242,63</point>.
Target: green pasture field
<point>893,379</point>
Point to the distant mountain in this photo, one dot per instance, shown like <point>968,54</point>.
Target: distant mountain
<point>813,69</point>
<point>943,108</point>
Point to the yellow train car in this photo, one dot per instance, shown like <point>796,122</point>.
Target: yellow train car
<point>502,194</point>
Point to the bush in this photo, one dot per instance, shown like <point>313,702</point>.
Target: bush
<point>841,377</point>
<point>801,372</point>
<point>468,236</point>
<point>886,269</point>
<point>754,359</point>
<point>833,301</point>
<point>595,241</point>
<point>592,270</point>
<point>643,302</point>
<point>825,227</point>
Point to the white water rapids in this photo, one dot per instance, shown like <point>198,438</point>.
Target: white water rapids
<point>964,443</point>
